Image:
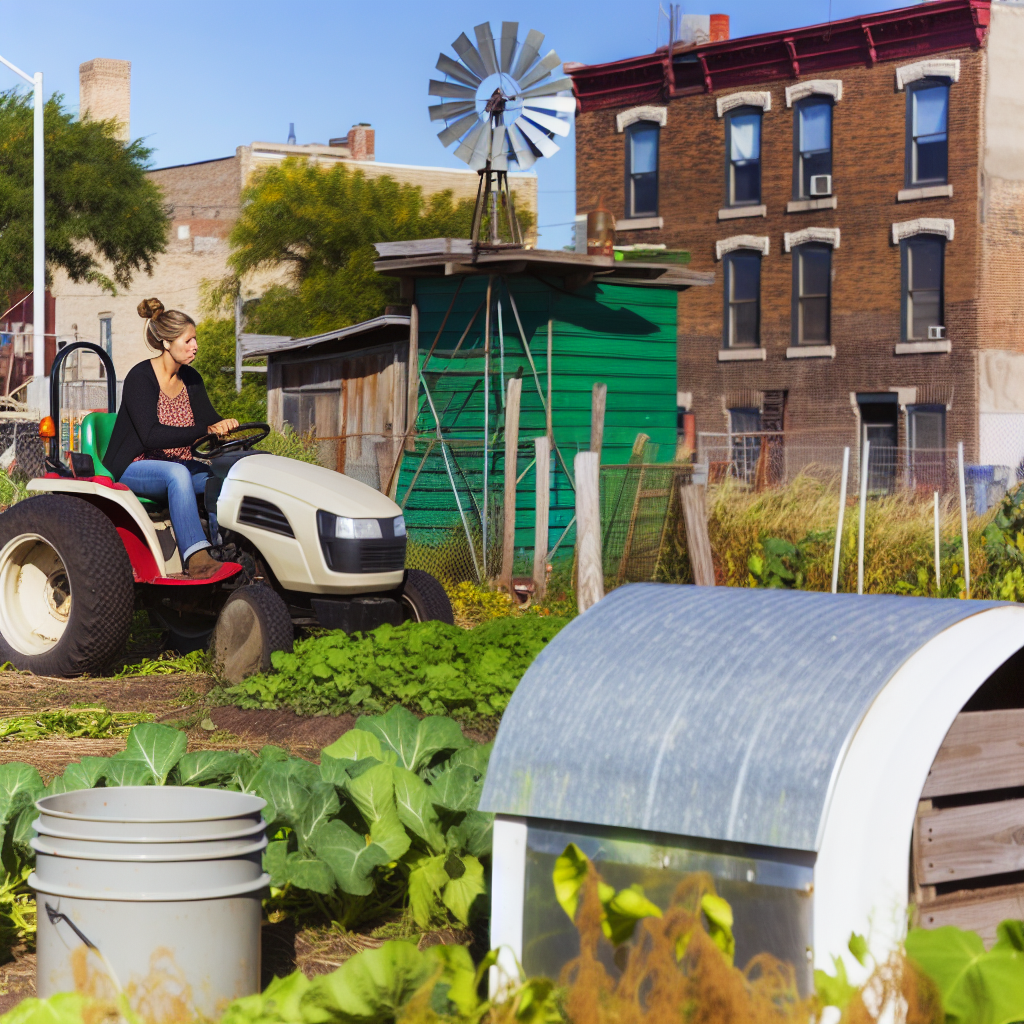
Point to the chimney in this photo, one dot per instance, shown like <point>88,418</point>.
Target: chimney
<point>699,29</point>
<point>105,92</point>
<point>291,133</point>
<point>360,141</point>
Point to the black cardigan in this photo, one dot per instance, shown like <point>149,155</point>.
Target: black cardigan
<point>137,429</point>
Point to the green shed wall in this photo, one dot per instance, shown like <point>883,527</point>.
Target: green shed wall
<point>622,336</point>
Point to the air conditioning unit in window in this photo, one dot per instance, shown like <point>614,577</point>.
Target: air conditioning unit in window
<point>936,333</point>
<point>821,184</point>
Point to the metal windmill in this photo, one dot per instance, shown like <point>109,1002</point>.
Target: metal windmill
<point>501,110</point>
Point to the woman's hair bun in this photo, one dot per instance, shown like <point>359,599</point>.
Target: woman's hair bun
<point>149,308</point>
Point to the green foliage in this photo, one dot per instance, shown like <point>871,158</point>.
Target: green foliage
<point>11,490</point>
<point>321,225</point>
<point>290,445</point>
<point>976,986</point>
<point>20,787</point>
<point>100,206</point>
<point>836,989</point>
<point>168,664</point>
<point>78,722</point>
<point>782,564</point>
<point>215,360</point>
<point>431,666</point>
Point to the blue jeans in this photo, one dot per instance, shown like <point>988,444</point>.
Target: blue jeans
<point>178,483</point>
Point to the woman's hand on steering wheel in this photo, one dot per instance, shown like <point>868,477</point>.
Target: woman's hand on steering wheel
<point>218,441</point>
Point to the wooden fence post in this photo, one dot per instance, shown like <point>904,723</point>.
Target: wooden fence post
<point>698,543</point>
<point>508,540</point>
<point>598,402</point>
<point>540,529</point>
<point>590,583</point>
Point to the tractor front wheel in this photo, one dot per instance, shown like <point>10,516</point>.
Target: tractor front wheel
<point>253,623</point>
<point>66,590</point>
<point>424,599</point>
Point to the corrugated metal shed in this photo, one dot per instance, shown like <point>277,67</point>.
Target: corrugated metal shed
<point>715,713</point>
<point>622,335</point>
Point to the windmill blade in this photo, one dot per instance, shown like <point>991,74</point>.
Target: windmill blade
<point>468,55</point>
<point>457,130</point>
<point>541,70</point>
<point>546,121</point>
<point>485,46</point>
<point>524,154</point>
<point>468,144</point>
<point>458,92</point>
<point>563,104</point>
<point>549,88</point>
<point>447,66</point>
<point>482,149</point>
<point>509,32</point>
<point>499,144</point>
<point>537,137</point>
<point>443,111</point>
<point>528,54</point>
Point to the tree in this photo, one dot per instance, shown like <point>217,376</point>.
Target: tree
<point>105,220</point>
<point>320,225</point>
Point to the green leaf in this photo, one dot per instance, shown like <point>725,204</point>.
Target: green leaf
<point>474,834</point>
<point>20,784</point>
<point>124,771</point>
<point>22,833</point>
<point>858,946</point>
<point>354,745</point>
<point>416,810</point>
<point>834,990</point>
<point>282,998</point>
<point>321,807</point>
<point>159,746</point>
<point>457,788</point>
<point>373,792</point>
<point>286,796</point>
<point>275,858</point>
<point>570,872</point>
<point>334,770</point>
<point>426,880</point>
<point>348,855</point>
<point>459,974</point>
<point>306,872</point>
<point>624,910</point>
<point>977,987</point>
<point>1010,935</point>
<point>205,766</point>
<point>389,832</point>
<point>369,988</point>
<point>62,1008</point>
<point>414,740</point>
<point>459,893</point>
<point>82,775</point>
<point>720,921</point>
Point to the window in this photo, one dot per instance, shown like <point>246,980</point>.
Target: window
<point>107,334</point>
<point>922,285</point>
<point>744,428</point>
<point>812,290</point>
<point>312,408</point>
<point>743,156</point>
<point>742,300</point>
<point>927,141</point>
<point>926,438</point>
<point>878,418</point>
<point>812,137</point>
<point>642,169</point>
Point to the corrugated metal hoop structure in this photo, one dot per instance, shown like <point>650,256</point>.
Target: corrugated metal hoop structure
<point>799,724</point>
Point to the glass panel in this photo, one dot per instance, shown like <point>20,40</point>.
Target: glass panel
<point>744,277</point>
<point>746,182</point>
<point>814,321</point>
<point>745,133</point>
<point>931,159</point>
<point>815,127</point>
<point>814,163</point>
<point>645,195</point>
<point>744,324</point>
<point>643,143</point>
<point>924,312</point>
<point>744,421</point>
<point>925,263</point>
<point>927,428</point>
<point>815,265</point>
<point>931,107</point>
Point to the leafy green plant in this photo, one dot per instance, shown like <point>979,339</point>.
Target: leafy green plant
<point>86,722</point>
<point>782,564</point>
<point>170,663</point>
<point>430,666</point>
<point>20,787</point>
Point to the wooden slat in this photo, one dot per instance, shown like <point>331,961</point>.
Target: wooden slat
<point>977,910</point>
<point>969,842</point>
<point>982,750</point>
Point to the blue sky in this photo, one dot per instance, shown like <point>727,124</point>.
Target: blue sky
<point>209,76</point>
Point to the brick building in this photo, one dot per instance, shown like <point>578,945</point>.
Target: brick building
<point>203,201</point>
<point>858,189</point>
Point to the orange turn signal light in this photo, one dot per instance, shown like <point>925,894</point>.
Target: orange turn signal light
<point>47,427</point>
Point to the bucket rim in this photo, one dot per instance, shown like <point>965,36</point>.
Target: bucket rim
<point>224,892</point>
<point>40,846</point>
<point>210,837</point>
<point>43,808</point>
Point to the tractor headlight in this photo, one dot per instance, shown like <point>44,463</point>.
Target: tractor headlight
<point>399,526</point>
<point>343,528</point>
<point>362,545</point>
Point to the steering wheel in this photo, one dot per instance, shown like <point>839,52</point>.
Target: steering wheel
<point>212,445</point>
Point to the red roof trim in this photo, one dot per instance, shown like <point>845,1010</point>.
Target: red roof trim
<point>906,33</point>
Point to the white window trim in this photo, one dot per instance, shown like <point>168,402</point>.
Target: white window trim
<point>659,115</point>
<point>744,99</point>
<point>949,68</point>
<point>815,87</point>
<point>756,242</point>
<point>923,226</point>
<point>827,236</point>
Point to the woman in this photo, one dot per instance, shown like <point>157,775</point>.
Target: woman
<point>164,409</point>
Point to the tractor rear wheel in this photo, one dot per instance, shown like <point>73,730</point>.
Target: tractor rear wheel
<point>66,587</point>
<point>424,599</point>
<point>253,623</point>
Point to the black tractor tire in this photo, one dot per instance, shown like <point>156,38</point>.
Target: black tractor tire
<point>424,599</point>
<point>253,623</point>
<point>66,587</point>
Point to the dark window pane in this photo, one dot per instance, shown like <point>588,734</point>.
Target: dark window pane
<point>746,182</point>
<point>932,159</point>
<point>643,149</point>
<point>815,267</point>
<point>744,324</point>
<point>745,277</point>
<point>814,163</point>
<point>927,429</point>
<point>645,195</point>
<point>925,263</point>
<point>925,312</point>
<point>814,321</point>
<point>929,121</point>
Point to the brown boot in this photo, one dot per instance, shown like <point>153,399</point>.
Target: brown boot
<point>201,566</point>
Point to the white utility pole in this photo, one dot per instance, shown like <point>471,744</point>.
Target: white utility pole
<point>37,397</point>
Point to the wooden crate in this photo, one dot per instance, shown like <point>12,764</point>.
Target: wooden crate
<point>970,826</point>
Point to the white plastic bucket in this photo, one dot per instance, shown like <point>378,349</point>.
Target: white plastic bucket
<point>153,890</point>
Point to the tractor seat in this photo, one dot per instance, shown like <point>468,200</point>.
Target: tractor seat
<point>96,430</point>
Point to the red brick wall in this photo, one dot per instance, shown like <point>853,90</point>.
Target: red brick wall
<point>868,171</point>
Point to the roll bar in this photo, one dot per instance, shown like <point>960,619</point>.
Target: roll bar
<point>108,366</point>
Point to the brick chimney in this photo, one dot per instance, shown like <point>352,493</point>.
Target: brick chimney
<point>105,92</point>
<point>360,142</point>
